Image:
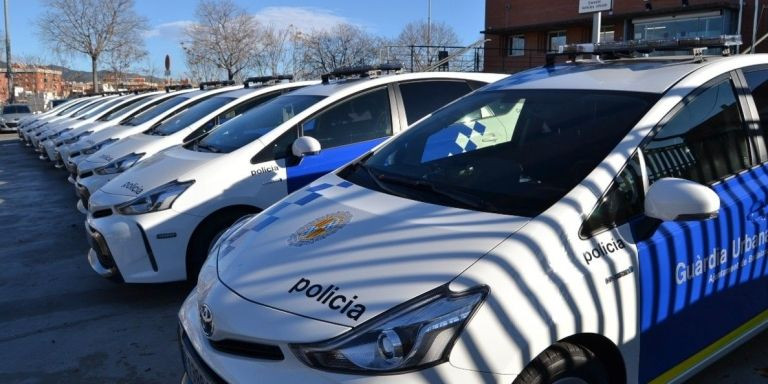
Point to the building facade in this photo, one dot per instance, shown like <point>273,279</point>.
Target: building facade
<point>521,32</point>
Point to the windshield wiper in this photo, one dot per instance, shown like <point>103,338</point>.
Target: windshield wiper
<point>428,186</point>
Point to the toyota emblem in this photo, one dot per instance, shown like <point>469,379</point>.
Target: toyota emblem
<point>206,319</point>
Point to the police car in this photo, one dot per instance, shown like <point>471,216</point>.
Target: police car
<point>35,132</point>
<point>589,222</point>
<point>157,220</point>
<point>111,119</point>
<point>75,130</point>
<point>25,121</point>
<point>37,120</point>
<point>78,151</point>
<point>97,169</point>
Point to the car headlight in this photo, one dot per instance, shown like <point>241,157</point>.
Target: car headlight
<point>417,334</point>
<point>119,165</point>
<point>158,199</point>
<point>96,147</point>
<point>74,139</point>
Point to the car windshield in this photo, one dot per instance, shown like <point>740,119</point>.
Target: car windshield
<point>90,107</point>
<point>513,152</point>
<point>255,123</point>
<point>189,116</point>
<point>101,108</point>
<point>156,111</point>
<point>123,108</point>
<point>73,107</point>
<point>9,109</point>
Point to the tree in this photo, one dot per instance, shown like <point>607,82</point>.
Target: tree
<point>275,50</point>
<point>91,27</point>
<point>343,45</point>
<point>422,36</point>
<point>225,35</point>
<point>119,61</point>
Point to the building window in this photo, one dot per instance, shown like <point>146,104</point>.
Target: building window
<point>708,24</point>
<point>555,40</point>
<point>516,45</point>
<point>607,33</point>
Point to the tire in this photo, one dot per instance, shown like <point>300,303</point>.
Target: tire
<point>565,363</point>
<point>203,238</point>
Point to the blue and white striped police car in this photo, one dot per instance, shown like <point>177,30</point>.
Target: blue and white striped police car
<point>592,222</point>
<point>156,221</point>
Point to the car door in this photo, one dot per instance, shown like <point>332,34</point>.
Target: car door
<point>698,280</point>
<point>345,131</point>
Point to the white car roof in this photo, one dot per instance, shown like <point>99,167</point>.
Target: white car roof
<point>335,86</point>
<point>652,75</point>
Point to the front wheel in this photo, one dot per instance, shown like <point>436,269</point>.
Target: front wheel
<point>205,236</point>
<point>565,363</point>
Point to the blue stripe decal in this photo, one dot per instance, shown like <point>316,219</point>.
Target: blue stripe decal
<point>312,167</point>
<point>307,198</point>
<point>699,280</point>
<point>264,223</point>
<point>279,206</point>
<point>345,184</point>
<point>319,187</point>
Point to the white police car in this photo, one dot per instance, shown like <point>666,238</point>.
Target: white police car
<point>594,222</point>
<point>112,119</point>
<point>88,145</point>
<point>102,166</point>
<point>157,220</point>
<point>35,121</point>
<point>42,131</point>
<point>75,130</point>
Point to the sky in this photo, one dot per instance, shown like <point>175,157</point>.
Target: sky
<point>167,19</point>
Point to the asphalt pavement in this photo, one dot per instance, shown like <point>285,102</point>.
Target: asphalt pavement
<point>62,323</point>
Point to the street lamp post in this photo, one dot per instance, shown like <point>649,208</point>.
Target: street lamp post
<point>8,69</point>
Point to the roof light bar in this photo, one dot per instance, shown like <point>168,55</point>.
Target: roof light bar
<point>360,71</point>
<point>247,83</point>
<point>178,87</point>
<point>212,84</point>
<point>615,49</point>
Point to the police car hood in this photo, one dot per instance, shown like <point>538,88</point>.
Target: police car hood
<point>335,243</point>
<point>114,132</point>
<point>163,167</point>
<point>83,128</point>
<point>138,143</point>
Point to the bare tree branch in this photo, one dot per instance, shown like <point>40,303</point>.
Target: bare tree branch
<point>91,27</point>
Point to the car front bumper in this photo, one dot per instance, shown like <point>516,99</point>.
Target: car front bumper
<point>148,248</point>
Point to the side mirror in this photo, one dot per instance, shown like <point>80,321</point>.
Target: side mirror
<point>671,199</point>
<point>305,145</point>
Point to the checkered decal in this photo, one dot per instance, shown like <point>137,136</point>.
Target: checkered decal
<point>270,215</point>
<point>455,139</point>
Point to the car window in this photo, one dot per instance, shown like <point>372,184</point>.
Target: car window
<point>156,111</point>
<point>513,152</point>
<point>103,107</point>
<point>364,117</point>
<point>623,201</point>
<point>122,109</point>
<point>424,97</point>
<point>89,108</point>
<point>279,148</point>
<point>704,141</point>
<point>187,116</point>
<point>254,123</point>
<point>758,85</point>
<point>8,109</point>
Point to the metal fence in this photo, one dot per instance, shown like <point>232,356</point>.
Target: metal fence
<point>416,58</point>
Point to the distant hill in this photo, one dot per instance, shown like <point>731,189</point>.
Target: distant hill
<point>84,76</point>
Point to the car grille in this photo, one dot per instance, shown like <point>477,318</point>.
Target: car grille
<point>102,213</point>
<point>86,174</point>
<point>11,124</point>
<point>196,369</point>
<point>248,349</point>
<point>99,245</point>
